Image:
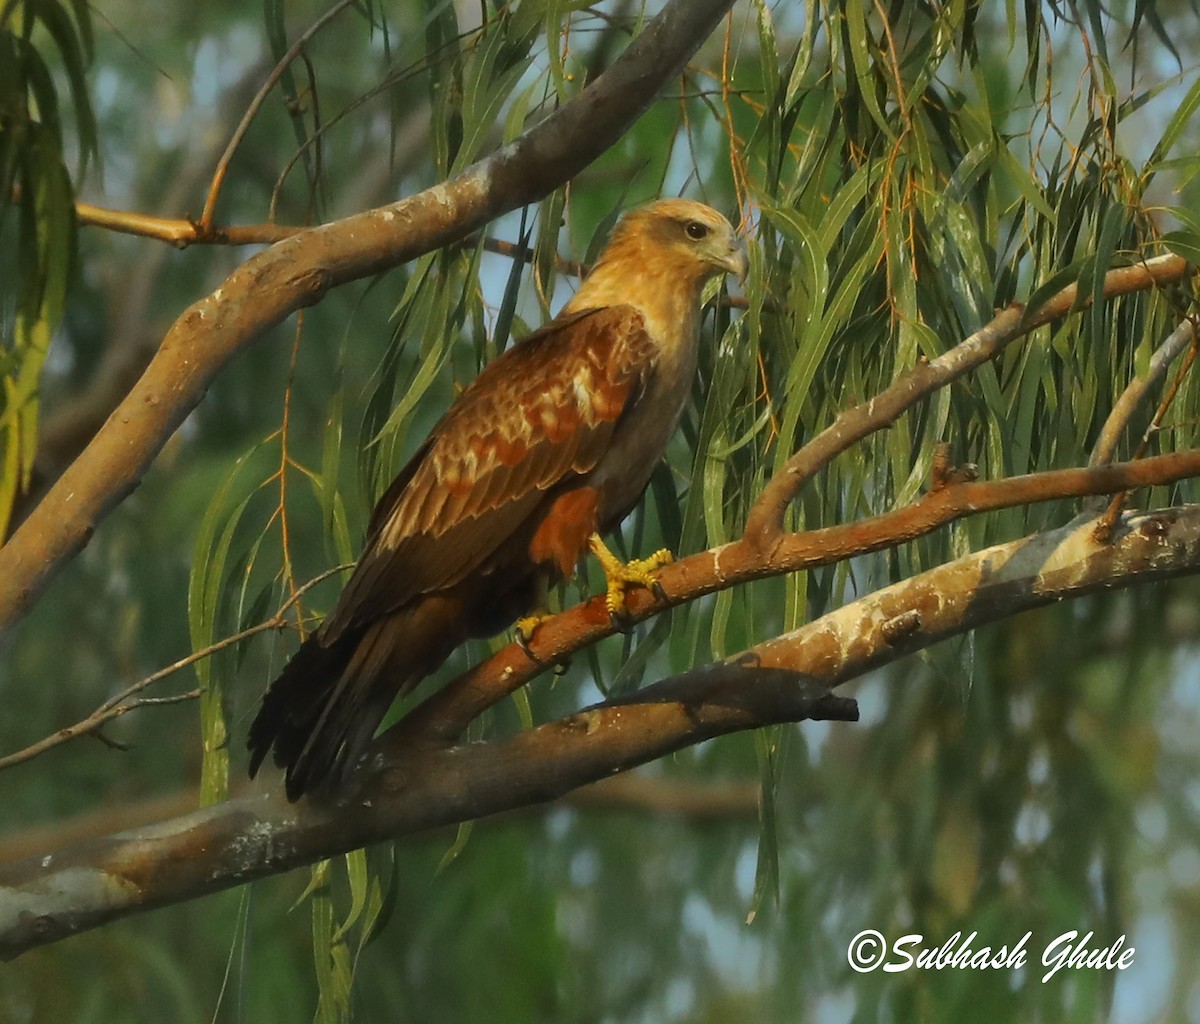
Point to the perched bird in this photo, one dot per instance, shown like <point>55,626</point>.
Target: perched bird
<point>550,446</point>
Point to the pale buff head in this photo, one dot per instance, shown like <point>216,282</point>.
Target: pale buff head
<point>671,243</point>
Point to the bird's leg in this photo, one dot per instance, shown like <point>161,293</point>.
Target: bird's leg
<point>622,576</point>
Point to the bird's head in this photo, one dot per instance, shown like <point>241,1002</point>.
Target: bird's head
<point>659,258</point>
<point>696,239</point>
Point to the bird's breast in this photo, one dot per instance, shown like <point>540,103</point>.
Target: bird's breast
<point>642,434</point>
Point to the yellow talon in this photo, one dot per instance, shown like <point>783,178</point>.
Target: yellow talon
<point>623,576</point>
<point>524,628</point>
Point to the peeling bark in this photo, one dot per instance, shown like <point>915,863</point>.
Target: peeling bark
<point>46,898</point>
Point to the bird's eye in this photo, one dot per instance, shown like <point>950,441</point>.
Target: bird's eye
<point>695,230</point>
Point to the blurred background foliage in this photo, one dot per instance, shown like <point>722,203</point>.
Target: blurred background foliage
<point>904,169</point>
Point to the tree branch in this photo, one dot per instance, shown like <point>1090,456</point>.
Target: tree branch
<point>765,521</point>
<point>46,898</point>
<point>446,713</point>
<point>286,61</point>
<point>298,271</point>
<point>645,793</point>
<point>1125,406</point>
<point>180,232</point>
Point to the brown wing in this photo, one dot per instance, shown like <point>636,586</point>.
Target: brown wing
<point>541,413</point>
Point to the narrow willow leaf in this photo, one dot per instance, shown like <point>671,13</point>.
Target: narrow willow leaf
<point>802,58</point>
<point>318,878</point>
<point>73,39</point>
<point>1051,287</point>
<point>768,49</point>
<point>766,876</point>
<point>1185,244</point>
<point>331,966</point>
<point>1018,178</point>
<point>512,288</point>
<point>866,66</point>
<point>374,926</point>
<point>1179,122</point>
<point>632,671</point>
<point>358,878</point>
<point>521,702</point>
<point>490,75</point>
<point>206,585</point>
<point>461,837</point>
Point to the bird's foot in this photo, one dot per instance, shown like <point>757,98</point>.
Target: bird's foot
<point>524,628</point>
<point>624,576</point>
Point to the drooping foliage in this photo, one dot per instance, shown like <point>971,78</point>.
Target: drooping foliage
<point>903,170</point>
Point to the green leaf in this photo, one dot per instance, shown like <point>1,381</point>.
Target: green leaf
<point>871,80</point>
<point>462,836</point>
<point>1185,244</point>
<point>206,586</point>
<point>766,875</point>
<point>1051,287</point>
<point>1179,122</point>
<point>75,48</point>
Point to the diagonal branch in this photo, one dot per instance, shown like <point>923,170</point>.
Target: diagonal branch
<point>1125,406</point>
<point>298,271</point>
<point>446,713</point>
<point>1113,513</point>
<point>765,521</point>
<point>43,899</point>
<point>90,883</point>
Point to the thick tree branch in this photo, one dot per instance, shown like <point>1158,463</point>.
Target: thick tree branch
<point>43,899</point>
<point>645,793</point>
<point>299,270</point>
<point>765,521</point>
<point>47,898</point>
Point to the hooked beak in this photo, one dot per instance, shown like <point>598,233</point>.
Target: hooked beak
<point>737,263</point>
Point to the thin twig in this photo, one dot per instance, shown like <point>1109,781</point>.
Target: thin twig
<point>214,189</point>
<point>180,232</point>
<point>1125,406</point>
<point>1107,522</point>
<point>120,704</point>
<point>765,521</point>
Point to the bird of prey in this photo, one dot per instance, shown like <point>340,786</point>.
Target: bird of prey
<point>549,447</point>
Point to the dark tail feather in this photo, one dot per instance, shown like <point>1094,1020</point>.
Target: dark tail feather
<point>295,714</point>
<point>323,710</point>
